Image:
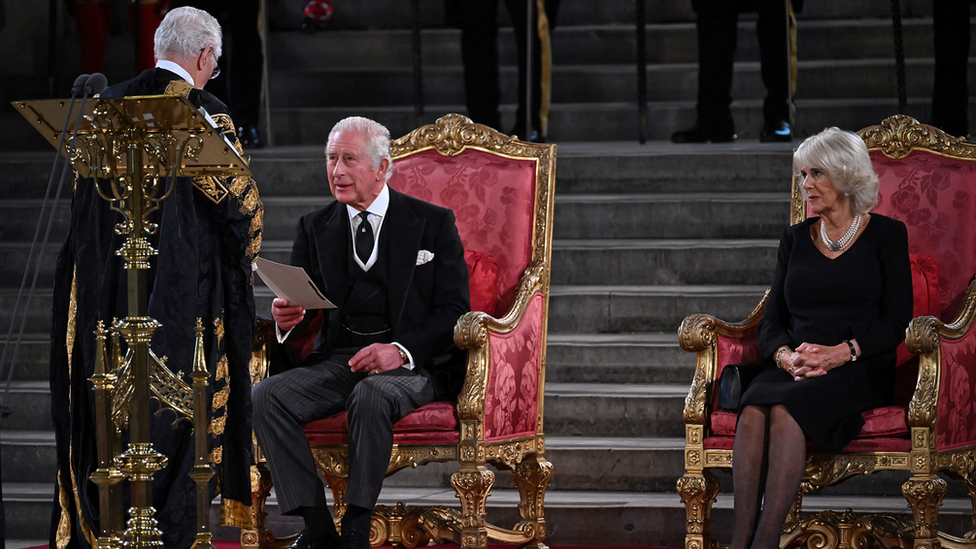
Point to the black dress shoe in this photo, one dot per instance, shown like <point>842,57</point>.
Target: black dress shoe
<point>703,133</point>
<point>309,540</point>
<point>776,132</point>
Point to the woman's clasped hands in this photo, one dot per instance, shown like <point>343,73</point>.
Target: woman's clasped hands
<point>813,360</point>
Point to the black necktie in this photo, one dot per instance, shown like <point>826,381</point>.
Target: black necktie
<point>364,238</point>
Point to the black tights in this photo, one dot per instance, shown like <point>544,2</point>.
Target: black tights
<point>769,457</point>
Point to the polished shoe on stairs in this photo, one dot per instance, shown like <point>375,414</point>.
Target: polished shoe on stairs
<point>778,131</point>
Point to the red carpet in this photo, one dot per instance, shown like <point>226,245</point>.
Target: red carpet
<point>237,545</point>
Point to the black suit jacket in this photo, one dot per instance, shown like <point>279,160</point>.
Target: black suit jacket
<point>425,300</point>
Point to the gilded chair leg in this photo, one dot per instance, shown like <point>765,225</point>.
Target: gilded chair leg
<point>472,484</point>
<point>258,537</point>
<point>971,488</point>
<point>698,492</point>
<point>338,485</point>
<point>532,478</point>
<point>924,496</point>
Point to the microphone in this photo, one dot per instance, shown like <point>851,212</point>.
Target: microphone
<point>79,85</point>
<point>95,84</point>
<point>83,85</point>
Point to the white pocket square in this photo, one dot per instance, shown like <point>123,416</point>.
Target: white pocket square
<point>424,256</point>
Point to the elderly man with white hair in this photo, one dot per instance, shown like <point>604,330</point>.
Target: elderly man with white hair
<point>207,236</point>
<point>394,266</point>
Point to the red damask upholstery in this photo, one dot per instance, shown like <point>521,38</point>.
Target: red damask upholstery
<point>956,425</point>
<point>934,196</point>
<point>492,197</point>
<point>436,417</point>
<point>512,404</point>
<point>482,281</point>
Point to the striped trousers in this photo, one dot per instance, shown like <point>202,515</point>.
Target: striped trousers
<point>284,402</point>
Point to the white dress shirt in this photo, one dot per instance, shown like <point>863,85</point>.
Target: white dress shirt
<point>174,68</point>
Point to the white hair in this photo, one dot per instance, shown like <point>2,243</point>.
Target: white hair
<point>377,139</point>
<point>184,33</point>
<point>844,157</point>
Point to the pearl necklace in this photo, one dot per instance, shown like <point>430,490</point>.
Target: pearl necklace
<point>845,240</point>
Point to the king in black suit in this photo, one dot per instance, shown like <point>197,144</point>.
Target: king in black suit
<point>400,283</point>
<point>209,231</point>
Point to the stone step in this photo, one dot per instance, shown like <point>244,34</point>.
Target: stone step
<point>638,358</point>
<point>631,215</point>
<point>616,410</point>
<point>393,14</point>
<point>28,456</point>
<point>32,358</point>
<point>596,83</point>
<point>608,121</point>
<point>615,309</point>
<point>583,167</point>
<point>641,261</point>
<point>625,519</point>
<point>29,407</point>
<point>592,43</point>
<point>663,261</point>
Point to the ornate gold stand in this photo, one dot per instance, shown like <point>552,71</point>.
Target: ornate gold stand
<point>130,146</point>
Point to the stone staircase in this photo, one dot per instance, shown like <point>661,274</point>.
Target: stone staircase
<point>644,235</point>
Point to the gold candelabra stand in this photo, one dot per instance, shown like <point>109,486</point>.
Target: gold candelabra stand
<point>132,149</point>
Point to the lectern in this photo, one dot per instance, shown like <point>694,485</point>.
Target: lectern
<point>132,149</point>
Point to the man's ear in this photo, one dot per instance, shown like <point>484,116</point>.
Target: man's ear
<point>382,169</point>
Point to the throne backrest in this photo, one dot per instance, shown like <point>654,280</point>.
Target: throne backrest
<point>492,183</point>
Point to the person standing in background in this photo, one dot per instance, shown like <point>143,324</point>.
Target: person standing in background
<point>717,22</point>
<point>950,89</point>
<point>241,69</point>
<point>478,21</point>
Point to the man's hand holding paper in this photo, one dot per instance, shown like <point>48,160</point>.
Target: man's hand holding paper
<point>286,315</point>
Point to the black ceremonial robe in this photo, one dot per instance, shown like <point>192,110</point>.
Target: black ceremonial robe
<point>207,241</point>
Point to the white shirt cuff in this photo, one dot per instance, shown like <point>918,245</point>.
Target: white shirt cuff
<point>281,336</point>
<point>409,363</point>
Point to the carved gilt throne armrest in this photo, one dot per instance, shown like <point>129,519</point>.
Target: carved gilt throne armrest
<point>716,344</point>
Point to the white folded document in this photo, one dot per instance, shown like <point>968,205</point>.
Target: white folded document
<point>291,283</point>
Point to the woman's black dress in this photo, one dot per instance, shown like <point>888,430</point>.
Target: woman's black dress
<point>864,294</point>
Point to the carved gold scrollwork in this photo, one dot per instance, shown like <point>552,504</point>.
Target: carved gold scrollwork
<point>899,135</point>
<point>923,334</point>
<point>829,529</point>
<point>332,460</point>
<point>828,469</point>
<point>696,332</point>
<point>698,493</point>
<point>472,485</point>
<point>412,456</point>
<point>925,495</point>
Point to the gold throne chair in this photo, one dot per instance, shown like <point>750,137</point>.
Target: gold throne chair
<point>928,181</point>
<point>501,192</point>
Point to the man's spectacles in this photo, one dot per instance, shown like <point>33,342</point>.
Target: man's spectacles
<point>216,70</point>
